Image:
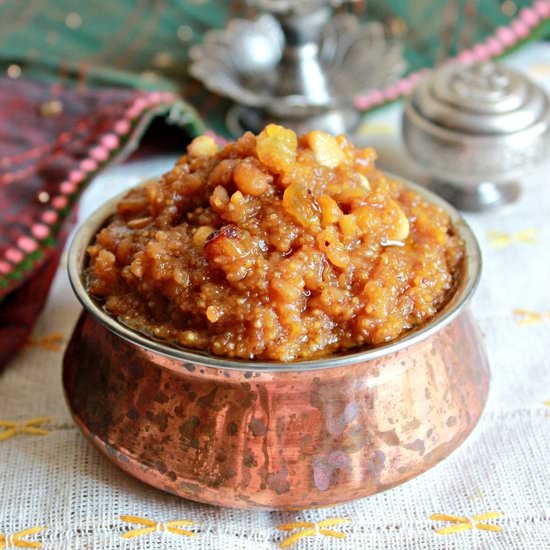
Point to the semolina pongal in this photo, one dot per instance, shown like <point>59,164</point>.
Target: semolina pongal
<point>275,247</point>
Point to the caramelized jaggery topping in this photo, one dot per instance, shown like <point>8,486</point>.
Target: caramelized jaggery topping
<point>275,247</point>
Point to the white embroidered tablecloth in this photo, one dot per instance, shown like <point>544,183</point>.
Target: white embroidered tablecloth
<point>57,492</point>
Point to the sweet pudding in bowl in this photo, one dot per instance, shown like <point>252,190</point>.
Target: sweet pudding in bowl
<point>275,324</point>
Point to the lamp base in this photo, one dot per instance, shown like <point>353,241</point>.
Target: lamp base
<point>477,197</point>
<point>338,120</point>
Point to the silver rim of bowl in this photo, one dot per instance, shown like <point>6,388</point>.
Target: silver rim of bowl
<point>469,280</point>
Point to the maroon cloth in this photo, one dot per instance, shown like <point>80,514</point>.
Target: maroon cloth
<point>21,307</point>
<point>52,142</point>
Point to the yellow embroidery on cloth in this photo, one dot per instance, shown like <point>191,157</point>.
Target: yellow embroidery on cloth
<point>477,494</point>
<point>151,526</point>
<point>49,342</point>
<point>498,239</point>
<point>376,128</point>
<point>311,529</point>
<point>462,523</point>
<point>30,427</point>
<point>16,540</point>
<point>528,317</point>
<point>540,69</point>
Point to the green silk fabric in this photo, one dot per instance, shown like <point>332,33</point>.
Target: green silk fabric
<point>145,43</point>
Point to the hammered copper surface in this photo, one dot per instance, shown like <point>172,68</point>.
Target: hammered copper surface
<point>276,440</point>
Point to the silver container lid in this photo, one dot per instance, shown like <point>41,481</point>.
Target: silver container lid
<point>483,99</point>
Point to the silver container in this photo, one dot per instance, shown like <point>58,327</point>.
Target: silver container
<point>476,129</point>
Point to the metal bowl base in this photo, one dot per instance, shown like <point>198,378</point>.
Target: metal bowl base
<point>276,440</point>
<point>478,197</point>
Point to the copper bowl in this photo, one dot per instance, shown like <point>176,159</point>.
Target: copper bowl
<point>276,435</point>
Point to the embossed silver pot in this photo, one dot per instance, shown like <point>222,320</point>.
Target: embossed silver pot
<point>299,65</point>
<point>476,129</point>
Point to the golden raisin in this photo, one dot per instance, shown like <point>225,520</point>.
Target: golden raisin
<point>276,148</point>
<point>329,242</point>
<point>330,210</point>
<point>202,146</point>
<point>299,202</point>
<point>201,234</point>
<point>325,148</point>
<point>250,180</point>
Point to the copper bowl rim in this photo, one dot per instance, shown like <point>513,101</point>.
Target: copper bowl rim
<point>467,284</point>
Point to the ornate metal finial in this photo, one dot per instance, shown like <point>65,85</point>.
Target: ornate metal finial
<point>298,64</point>
<point>295,6</point>
<point>476,128</point>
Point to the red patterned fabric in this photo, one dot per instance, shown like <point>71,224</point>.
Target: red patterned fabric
<point>21,307</point>
<point>52,142</point>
